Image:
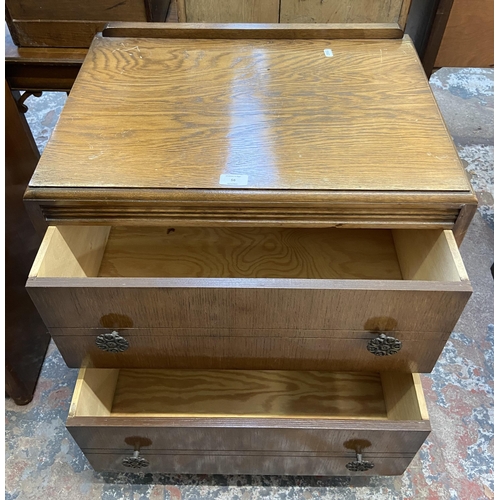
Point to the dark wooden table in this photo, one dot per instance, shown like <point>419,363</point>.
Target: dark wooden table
<point>26,338</point>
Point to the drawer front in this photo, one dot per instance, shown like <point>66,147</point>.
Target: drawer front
<point>307,437</point>
<point>254,304</point>
<point>199,420</point>
<point>249,279</point>
<point>161,349</point>
<point>247,463</point>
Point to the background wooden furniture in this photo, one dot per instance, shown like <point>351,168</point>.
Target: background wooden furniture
<point>426,24</point>
<point>452,33</point>
<point>468,37</point>
<point>56,23</point>
<point>26,337</point>
<point>35,69</point>
<point>293,11</point>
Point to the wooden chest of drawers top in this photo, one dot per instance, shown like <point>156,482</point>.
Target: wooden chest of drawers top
<point>261,131</point>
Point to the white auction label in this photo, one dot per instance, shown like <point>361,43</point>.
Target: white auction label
<point>233,180</point>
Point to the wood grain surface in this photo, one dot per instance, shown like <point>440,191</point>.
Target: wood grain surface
<point>247,463</point>
<point>29,69</point>
<point>254,31</point>
<point>463,221</point>
<point>25,336</point>
<point>256,435</point>
<point>402,401</point>
<point>289,334</point>
<point>253,303</point>
<point>94,392</point>
<point>30,55</point>
<point>207,252</point>
<point>248,303</point>
<point>102,10</point>
<point>278,112</point>
<point>469,35</point>
<point>250,253</point>
<point>241,208</point>
<point>248,393</point>
<point>215,11</point>
<point>343,11</point>
<point>296,207</point>
<point>66,24</point>
<point>257,350</point>
<point>71,251</point>
<point>390,437</point>
<point>429,255</point>
<point>57,34</point>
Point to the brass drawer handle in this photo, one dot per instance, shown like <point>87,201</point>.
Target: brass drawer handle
<point>384,345</point>
<point>111,342</point>
<point>135,461</point>
<point>359,465</point>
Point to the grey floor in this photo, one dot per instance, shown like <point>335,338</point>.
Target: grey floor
<point>456,462</point>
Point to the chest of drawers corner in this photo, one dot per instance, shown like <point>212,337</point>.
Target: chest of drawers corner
<point>251,250</point>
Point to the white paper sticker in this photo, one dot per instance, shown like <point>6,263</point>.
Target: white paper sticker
<point>233,180</point>
<point>328,52</point>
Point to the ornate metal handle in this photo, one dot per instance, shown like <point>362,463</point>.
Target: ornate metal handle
<point>359,465</point>
<point>111,342</point>
<point>384,345</point>
<point>135,461</point>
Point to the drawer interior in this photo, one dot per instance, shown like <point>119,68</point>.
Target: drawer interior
<point>163,393</point>
<point>222,252</point>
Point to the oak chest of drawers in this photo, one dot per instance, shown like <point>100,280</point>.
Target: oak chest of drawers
<point>252,248</point>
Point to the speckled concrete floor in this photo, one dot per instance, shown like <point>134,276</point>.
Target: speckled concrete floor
<point>456,462</point>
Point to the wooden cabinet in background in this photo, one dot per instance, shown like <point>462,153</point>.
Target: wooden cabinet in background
<point>228,11</point>
<point>468,37</point>
<point>26,337</point>
<point>67,23</point>
<point>344,11</point>
<point>293,11</point>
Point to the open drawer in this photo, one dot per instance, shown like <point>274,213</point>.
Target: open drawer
<point>249,297</point>
<point>248,422</point>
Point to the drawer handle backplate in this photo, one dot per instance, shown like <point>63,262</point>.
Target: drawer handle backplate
<point>384,345</point>
<point>111,342</point>
<point>359,465</point>
<point>135,461</point>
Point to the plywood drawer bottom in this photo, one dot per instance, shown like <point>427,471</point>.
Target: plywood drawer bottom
<point>248,421</point>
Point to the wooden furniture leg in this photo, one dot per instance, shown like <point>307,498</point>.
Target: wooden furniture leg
<point>26,338</point>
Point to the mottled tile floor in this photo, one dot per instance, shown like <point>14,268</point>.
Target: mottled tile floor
<point>456,461</point>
